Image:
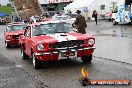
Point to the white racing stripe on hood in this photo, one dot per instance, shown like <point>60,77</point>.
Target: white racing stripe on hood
<point>70,37</point>
<point>58,37</point>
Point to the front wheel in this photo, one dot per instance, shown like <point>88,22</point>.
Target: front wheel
<point>114,22</point>
<point>7,45</point>
<point>130,23</point>
<point>37,63</point>
<point>86,59</point>
<point>24,56</point>
<point>109,19</point>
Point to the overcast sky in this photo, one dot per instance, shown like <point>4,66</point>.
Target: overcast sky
<point>4,2</point>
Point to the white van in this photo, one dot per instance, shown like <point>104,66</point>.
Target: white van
<point>123,12</point>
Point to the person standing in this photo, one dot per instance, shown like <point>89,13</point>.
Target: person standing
<point>80,23</point>
<point>16,19</point>
<point>95,14</point>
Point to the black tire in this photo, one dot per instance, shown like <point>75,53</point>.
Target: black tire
<point>86,59</point>
<point>38,64</point>
<point>24,56</point>
<point>114,22</point>
<point>8,46</point>
<point>130,23</point>
<point>109,19</point>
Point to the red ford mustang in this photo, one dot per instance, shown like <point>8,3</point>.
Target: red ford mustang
<point>48,41</point>
<point>12,33</point>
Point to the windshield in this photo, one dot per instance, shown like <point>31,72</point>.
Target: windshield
<point>51,28</point>
<point>15,27</point>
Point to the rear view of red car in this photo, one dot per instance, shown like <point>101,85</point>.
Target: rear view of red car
<point>12,33</point>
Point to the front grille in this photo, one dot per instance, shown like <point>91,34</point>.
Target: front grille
<point>16,36</point>
<point>66,44</point>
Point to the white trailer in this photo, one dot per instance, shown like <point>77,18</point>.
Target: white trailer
<point>123,12</point>
<point>102,7</point>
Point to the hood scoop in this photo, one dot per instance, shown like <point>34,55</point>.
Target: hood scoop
<point>63,35</point>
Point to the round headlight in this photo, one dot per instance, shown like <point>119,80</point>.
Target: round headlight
<point>40,47</point>
<point>91,41</point>
<point>8,36</point>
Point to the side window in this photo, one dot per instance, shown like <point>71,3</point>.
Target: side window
<point>102,7</point>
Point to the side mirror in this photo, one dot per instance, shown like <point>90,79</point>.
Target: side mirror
<point>27,35</point>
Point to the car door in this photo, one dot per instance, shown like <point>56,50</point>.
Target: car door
<point>28,41</point>
<point>22,37</point>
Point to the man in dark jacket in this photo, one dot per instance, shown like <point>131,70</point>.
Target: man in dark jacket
<point>80,23</point>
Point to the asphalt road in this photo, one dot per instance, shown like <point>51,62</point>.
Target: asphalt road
<point>18,73</point>
<point>112,42</point>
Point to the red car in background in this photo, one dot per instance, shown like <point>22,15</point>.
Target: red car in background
<point>108,16</point>
<point>12,33</point>
<point>55,40</point>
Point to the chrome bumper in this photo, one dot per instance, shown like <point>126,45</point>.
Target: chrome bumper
<point>8,40</point>
<point>64,51</point>
<point>12,40</point>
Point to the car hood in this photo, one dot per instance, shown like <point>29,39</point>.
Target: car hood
<point>59,37</point>
<point>15,32</point>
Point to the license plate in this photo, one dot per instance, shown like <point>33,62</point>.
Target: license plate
<point>68,54</point>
